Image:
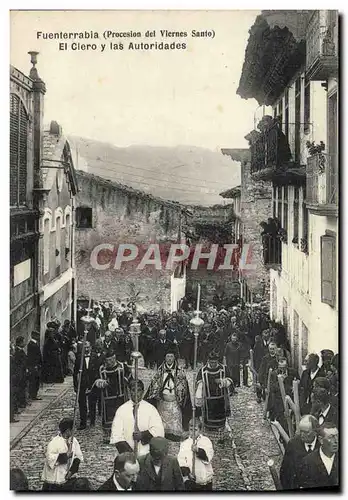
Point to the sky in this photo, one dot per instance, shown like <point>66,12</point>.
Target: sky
<point>159,98</point>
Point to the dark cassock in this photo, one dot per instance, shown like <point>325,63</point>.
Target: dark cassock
<point>20,364</point>
<point>169,393</point>
<point>34,364</point>
<point>113,382</point>
<point>52,369</point>
<point>233,359</point>
<point>213,386</point>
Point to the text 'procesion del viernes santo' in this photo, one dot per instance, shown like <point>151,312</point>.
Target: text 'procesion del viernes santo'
<point>123,40</point>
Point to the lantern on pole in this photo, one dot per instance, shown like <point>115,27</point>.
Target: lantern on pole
<point>86,320</point>
<point>135,330</point>
<point>197,324</point>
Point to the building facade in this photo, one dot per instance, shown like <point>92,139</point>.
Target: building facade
<point>26,94</point>
<point>57,229</point>
<point>252,204</point>
<point>108,215</point>
<point>296,150</point>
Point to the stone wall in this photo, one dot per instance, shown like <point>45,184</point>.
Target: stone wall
<point>122,215</point>
<point>256,207</point>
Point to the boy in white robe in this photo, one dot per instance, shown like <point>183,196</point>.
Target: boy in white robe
<point>123,431</point>
<point>204,452</point>
<point>62,461</point>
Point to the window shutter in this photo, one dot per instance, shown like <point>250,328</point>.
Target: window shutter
<point>328,270</point>
<point>14,132</point>
<point>23,144</point>
<point>18,152</point>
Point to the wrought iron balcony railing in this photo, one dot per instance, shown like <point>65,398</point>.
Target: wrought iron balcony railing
<point>322,179</point>
<point>269,150</point>
<point>322,45</point>
<point>272,250</point>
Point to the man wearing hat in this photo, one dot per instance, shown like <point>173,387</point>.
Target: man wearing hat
<point>34,364</point>
<point>213,386</point>
<point>169,393</point>
<point>62,459</point>
<point>326,357</point>
<point>158,470</point>
<point>114,377</point>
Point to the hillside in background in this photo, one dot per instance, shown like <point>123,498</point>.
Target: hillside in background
<point>186,174</point>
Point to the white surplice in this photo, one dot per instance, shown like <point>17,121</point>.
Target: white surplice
<point>123,424</point>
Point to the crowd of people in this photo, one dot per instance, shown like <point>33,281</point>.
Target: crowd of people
<point>235,341</point>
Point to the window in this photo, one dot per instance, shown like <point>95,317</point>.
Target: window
<point>296,214</point>
<point>279,203</point>
<point>46,246</point>
<point>280,113</point>
<point>332,171</point>
<point>328,268</point>
<point>285,213</point>
<point>307,107</point>
<point>67,236</point>
<point>18,152</point>
<point>304,343</point>
<point>83,217</point>
<point>285,314</point>
<point>295,340</point>
<point>297,119</point>
<point>58,245</point>
<point>304,245</point>
<point>286,114</point>
<point>274,301</point>
<point>274,202</point>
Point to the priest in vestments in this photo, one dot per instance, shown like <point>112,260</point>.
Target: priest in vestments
<point>169,393</point>
<point>213,387</point>
<point>113,382</point>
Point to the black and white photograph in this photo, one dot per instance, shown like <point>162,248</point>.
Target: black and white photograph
<point>174,250</point>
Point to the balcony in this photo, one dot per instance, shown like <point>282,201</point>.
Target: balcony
<point>272,237</point>
<point>271,156</point>
<point>322,183</point>
<point>322,45</point>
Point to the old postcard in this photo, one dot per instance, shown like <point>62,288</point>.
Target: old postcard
<point>174,250</point>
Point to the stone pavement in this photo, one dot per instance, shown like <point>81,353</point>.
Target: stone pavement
<point>48,394</point>
<point>238,466</point>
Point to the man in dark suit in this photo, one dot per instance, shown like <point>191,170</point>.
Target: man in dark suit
<point>322,408</point>
<point>162,346</point>
<point>320,468</point>
<point>308,377</point>
<point>275,402</point>
<point>34,364</point>
<point>297,448</point>
<point>126,469</point>
<point>158,471</point>
<point>90,373</point>
<point>20,368</point>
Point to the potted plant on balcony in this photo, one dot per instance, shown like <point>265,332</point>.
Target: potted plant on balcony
<point>317,150</point>
<point>283,235</point>
<point>304,245</point>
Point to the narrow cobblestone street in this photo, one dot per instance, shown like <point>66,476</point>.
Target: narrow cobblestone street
<point>238,465</point>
